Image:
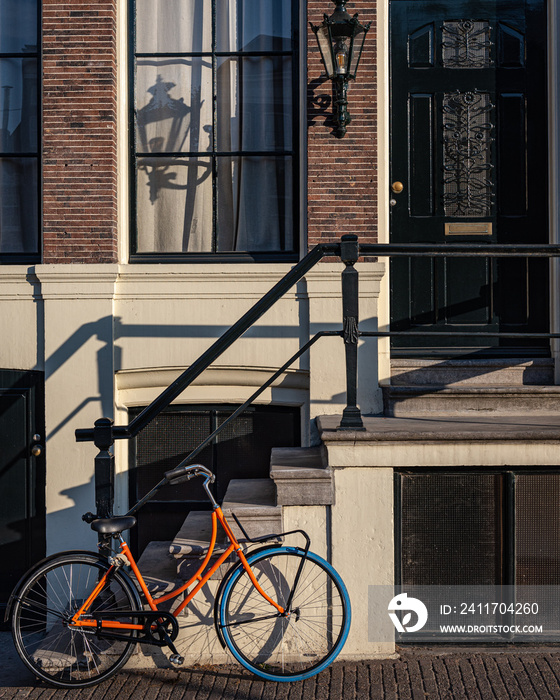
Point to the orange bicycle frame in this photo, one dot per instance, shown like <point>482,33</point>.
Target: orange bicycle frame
<point>234,546</point>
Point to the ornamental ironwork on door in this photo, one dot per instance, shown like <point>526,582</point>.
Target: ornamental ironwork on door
<point>468,184</point>
<point>469,145</point>
<point>466,44</point>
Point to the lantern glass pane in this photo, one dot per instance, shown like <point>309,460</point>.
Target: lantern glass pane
<point>358,45</point>
<point>325,46</point>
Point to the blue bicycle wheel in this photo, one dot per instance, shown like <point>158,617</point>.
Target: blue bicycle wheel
<point>303,641</point>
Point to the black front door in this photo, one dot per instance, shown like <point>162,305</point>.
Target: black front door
<point>469,145</point>
<point>22,476</point>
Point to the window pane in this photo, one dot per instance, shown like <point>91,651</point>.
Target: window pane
<point>18,205</point>
<point>254,103</point>
<point>255,209</point>
<point>18,105</point>
<point>253,25</point>
<point>174,105</point>
<point>167,26</point>
<point>174,205</point>
<point>18,26</point>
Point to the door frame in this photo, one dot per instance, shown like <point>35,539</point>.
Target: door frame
<point>383,138</point>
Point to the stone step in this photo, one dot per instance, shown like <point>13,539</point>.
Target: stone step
<point>254,502</point>
<point>191,543</point>
<point>197,640</point>
<point>301,477</point>
<point>493,372</point>
<point>158,568</point>
<point>532,429</point>
<point>417,400</point>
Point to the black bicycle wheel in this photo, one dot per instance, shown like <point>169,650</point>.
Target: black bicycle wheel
<point>46,602</point>
<point>295,646</point>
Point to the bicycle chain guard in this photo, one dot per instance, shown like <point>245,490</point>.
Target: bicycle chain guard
<point>154,623</point>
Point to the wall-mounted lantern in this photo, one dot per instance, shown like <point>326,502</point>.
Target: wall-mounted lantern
<point>341,40</point>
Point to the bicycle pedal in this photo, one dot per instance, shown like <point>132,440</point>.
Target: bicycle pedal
<point>177,659</point>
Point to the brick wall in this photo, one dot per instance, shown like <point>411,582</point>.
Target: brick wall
<point>79,132</point>
<point>342,173</point>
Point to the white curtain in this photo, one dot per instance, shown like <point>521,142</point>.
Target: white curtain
<point>254,112</point>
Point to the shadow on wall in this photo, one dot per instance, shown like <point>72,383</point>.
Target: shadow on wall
<point>109,330</point>
<point>320,103</point>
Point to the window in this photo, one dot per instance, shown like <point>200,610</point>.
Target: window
<point>215,104</point>
<point>19,217</point>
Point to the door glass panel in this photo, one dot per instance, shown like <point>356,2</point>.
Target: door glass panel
<point>467,166</point>
<point>14,490</point>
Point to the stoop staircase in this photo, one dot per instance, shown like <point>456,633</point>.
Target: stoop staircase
<point>298,477</point>
<point>447,387</point>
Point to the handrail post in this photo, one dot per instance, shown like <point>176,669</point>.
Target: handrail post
<point>103,439</point>
<point>349,254</point>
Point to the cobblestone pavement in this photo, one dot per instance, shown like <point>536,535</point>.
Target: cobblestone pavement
<point>424,675</point>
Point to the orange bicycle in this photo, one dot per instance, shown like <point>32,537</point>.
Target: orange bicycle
<point>283,612</point>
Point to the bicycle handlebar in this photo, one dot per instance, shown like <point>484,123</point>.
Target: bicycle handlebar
<point>182,474</point>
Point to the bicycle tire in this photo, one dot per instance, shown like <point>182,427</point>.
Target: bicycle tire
<point>281,648</point>
<point>64,657</point>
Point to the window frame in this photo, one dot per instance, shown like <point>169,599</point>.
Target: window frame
<point>36,256</point>
<point>214,153</point>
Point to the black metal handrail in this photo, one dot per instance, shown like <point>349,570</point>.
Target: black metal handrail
<point>104,433</point>
<point>453,250</point>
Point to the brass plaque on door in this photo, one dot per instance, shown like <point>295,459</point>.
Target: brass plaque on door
<point>471,228</point>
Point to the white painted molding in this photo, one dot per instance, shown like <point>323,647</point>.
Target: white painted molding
<point>18,283</point>
<point>213,376</point>
<point>68,281</point>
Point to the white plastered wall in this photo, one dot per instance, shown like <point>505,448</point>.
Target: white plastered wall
<point>166,316</point>
<point>78,364</point>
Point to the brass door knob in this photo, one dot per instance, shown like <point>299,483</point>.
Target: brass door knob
<point>397,187</point>
<point>36,450</point>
